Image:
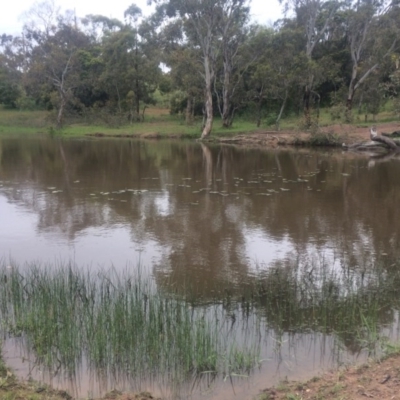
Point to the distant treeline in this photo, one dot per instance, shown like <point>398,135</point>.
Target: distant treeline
<point>208,58</point>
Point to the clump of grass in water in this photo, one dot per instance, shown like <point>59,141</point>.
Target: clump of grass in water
<point>352,304</point>
<point>118,322</point>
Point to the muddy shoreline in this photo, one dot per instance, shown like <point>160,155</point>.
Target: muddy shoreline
<point>332,135</point>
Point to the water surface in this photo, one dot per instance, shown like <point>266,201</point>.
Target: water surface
<point>206,222</point>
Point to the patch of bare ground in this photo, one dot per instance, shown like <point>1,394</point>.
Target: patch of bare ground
<point>332,134</point>
<point>372,380</point>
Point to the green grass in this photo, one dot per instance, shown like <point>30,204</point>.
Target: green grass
<point>158,122</point>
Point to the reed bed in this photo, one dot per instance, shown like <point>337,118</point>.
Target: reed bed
<point>117,322</point>
<point>352,303</point>
<point>120,323</point>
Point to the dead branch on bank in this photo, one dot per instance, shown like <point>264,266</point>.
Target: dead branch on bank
<point>378,143</point>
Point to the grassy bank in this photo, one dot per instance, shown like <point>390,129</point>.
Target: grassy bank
<point>157,123</point>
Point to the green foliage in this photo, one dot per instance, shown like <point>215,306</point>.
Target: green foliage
<point>110,70</point>
<point>9,90</point>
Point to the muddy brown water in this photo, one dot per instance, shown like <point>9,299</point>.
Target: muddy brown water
<point>214,216</point>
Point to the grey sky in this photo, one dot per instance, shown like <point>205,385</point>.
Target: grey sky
<point>263,11</point>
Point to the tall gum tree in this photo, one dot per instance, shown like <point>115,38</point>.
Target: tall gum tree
<point>54,60</point>
<point>233,34</point>
<point>200,21</point>
<point>373,34</point>
<point>212,27</point>
<point>131,66</point>
<point>315,17</point>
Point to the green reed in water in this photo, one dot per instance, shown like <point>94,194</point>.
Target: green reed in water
<point>350,303</point>
<point>117,322</point>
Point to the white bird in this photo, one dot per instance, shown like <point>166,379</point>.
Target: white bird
<point>373,132</point>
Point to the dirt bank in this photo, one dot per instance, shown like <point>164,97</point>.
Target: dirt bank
<point>335,134</point>
<point>374,380</point>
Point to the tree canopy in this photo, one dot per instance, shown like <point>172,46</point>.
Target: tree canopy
<point>210,59</point>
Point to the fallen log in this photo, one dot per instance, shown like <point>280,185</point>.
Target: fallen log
<point>377,144</point>
<point>373,147</point>
<point>393,134</point>
<point>385,140</point>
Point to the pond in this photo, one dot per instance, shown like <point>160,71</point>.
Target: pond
<point>293,253</point>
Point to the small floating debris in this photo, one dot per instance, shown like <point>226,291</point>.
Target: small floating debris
<point>51,187</point>
<point>76,181</point>
<point>284,189</point>
<point>345,174</point>
<point>123,201</point>
<point>263,194</point>
<point>56,191</point>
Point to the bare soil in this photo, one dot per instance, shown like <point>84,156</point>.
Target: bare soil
<point>336,134</point>
<point>373,380</point>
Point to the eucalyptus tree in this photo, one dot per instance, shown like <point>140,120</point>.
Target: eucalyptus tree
<point>131,65</point>
<point>211,26</point>
<point>98,25</point>
<point>186,78</point>
<point>54,61</point>
<point>315,18</point>
<point>373,34</point>
<point>10,71</point>
<point>233,34</point>
<point>184,61</point>
<point>9,88</point>
<point>276,74</point>
<point>258,78</point>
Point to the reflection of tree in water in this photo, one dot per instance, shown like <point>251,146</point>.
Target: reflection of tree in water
<point>329,201</point>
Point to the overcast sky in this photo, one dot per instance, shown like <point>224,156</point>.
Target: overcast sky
<point>263,11</point>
